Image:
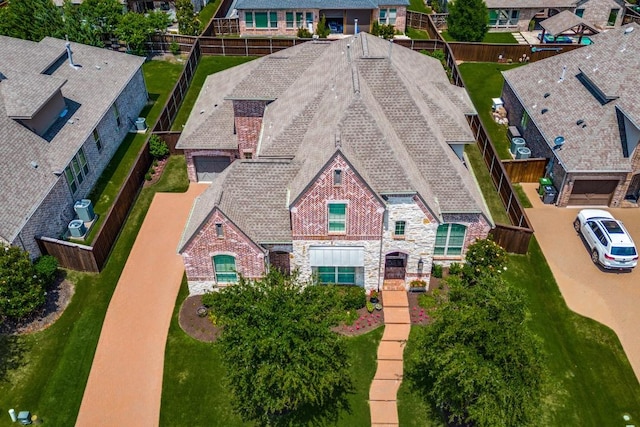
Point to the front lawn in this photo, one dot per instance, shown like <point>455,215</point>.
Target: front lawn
<point>483,81</point>
<point>160,77</point>
<point>418,6</point>
<point>593,383</point>
<point>46,372</point>
<point>496,38</point>
<point>207,65</point>
<point>194,391</point>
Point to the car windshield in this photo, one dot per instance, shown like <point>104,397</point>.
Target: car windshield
<point>623,250</point>
<point>613,227</point>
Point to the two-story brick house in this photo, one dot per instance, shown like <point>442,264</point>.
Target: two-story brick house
<point>61,121</point>
<point>341,160</point>
<point>283,18</point>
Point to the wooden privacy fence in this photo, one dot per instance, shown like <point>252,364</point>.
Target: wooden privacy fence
<point>171,138</point>
<point>525,170</point>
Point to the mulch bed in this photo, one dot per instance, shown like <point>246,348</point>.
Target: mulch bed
<point>155,176</point>
<point>200,328</point>
<point>419,316</point>
<point>58,298</point>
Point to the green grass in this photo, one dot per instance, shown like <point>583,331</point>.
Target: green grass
<point>194,391</point>
<point>497,38</point>
<point>46,372</point>
<point>207,13</point>
<point>418,6</point>
<point>487,188</point>
<point>208,65</point>
<point>522,196</point>
<point>417,34</point>
<point>592,381</point>
<point>160,76</point>
<point>483,82</point>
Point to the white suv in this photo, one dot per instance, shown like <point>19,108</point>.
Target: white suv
<point>610,243</point>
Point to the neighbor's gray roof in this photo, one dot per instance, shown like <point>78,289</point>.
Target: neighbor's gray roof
<point>612,63</point>
<point>391,117</point>
<point>529,4</point>
<point>317,4</point>
<point>564,21</point>
<point>89,92</point>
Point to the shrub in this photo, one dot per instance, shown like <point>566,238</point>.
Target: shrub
<point>174,48</point>
<point>370,307</point>
<point>21,287</point>
<point>155,163</point>
<point>455,269</point>
<point>208,299</point>
<point>487,256</point>
<point>303,33</point>
<point>323,30</point>
<point>157,147</point>
<point>148,176</point>
<point>418,284</point>
<point>382,30</point>
<point>46,268</point>
<point>436,270</point>
<point>352,297</point>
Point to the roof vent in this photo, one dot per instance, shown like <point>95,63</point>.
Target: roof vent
<point>34,164</point>
<point>579,122</point>
<point>628,30</point>
<point>546,95</point>
<point>558,142</point>
<point>544,110</point>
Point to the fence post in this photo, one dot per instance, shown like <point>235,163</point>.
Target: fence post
<point>246,47</point>
<point>223,51</point>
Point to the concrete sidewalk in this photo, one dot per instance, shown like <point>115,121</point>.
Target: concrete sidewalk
<point>386,382</point>
<point>125,382</point>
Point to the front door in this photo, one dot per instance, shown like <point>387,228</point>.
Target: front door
<point>395,265</point>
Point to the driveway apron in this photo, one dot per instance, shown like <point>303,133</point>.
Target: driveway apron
<point>610,297</point>
<point>125,382</point>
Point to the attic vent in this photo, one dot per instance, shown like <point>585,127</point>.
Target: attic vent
<point>546,95</point>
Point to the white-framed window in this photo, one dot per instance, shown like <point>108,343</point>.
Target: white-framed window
<point>225,269</point>
<point>337,215</point>
<point>76,171</point>
<point>399,228</point>
<point>388,16</point>
<point>504,17</point>
<point>96,138</point>
<point>116,114</point>
<point>261,19</point>
<point>296,19</point>
<point>524,121</point>
<point>450,239</point>
<point>335,275</point>
<point>613,16</point>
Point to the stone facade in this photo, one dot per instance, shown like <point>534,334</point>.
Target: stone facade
<point>191,166</point>
<point>198,253</point>
<point>56,210</point>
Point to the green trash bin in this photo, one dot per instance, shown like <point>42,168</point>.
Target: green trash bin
<point>543,182</point>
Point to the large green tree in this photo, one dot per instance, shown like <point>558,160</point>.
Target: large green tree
<point>283,362</point>
<point>31,20</point>
<point>134,29</point>
<point>188,23</point>
<point>478,362</point>
<point>468,20</point>
<point>22,286</point>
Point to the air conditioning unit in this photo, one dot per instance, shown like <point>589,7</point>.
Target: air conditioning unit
<point>77,228</point>
<point>523,153</point>
<point>516,143</point>
<point>84,209</point>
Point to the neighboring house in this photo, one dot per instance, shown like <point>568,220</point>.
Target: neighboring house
<point>283,17</point>
<point>581,110</point>
<point>60,124</point>
<point>526,15</point>
<point>341,160</point>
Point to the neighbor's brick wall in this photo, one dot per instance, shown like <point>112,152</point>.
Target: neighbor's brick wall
<point>282,29</point>
<point>198,254</point>
<point>401,17</point>
<point>618,194</point>
<point>309,216</point>
<point>248,122</point>
<point>191,166</point>
<point>50,219</point>
<point>597,12</point>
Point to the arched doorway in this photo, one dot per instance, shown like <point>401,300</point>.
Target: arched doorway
<point>395,265</point>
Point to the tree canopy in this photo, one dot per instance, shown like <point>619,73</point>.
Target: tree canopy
<point>188,23</point>
<point>478,362</point>
<point>31,20</point>
<point>468,20</point>
<point>283,362</point>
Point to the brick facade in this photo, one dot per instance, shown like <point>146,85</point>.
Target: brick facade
<point>309,214</point>
<point>199,252</point>
<point>191,166</point>
<point>401,16</point>
<point>56,210</point>
<point>248,123</point>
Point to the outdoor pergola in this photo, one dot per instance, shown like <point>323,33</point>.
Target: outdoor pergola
<point>567,23</point>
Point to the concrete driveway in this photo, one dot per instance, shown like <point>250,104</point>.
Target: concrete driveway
<point>609,297</point>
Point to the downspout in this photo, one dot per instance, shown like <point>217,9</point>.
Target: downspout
<point>381,264</point>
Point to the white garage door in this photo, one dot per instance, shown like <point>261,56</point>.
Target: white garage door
<point>208,167</point>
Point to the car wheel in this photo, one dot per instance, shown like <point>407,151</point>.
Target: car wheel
<point>595,257</point>
<point>576,225</point>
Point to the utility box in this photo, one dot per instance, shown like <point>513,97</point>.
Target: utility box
<point>141,123</point>
<point>549,195</point>
<point>523,153</point>
<point>513,132</point>
<point>77,228</point>
<point>24,418</point>
<point>84,209</point>
<point>543,182</point>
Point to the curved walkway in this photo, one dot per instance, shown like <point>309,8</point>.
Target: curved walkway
<point>386,382</point>
<point>609,297</point>
<point>125,382</point>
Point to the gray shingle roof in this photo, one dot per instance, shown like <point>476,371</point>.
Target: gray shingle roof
<point>316,4</point>
<point>611,63</point>
<point>563,22</point>
<point>391,118</point>
<point>90,90</point>
<point>20,100</point>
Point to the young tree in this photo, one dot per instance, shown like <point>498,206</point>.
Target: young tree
<point>134,29</point>
<point>77,28</point>
<point>103,15</point>
<point>159,21</point>
<point>283,362</point>
<point>323,30</point>
<point>468,20</point>
<point>478,362</point>
<point>31,20</point>
<point>21,285</point>
<point>188,23</point>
